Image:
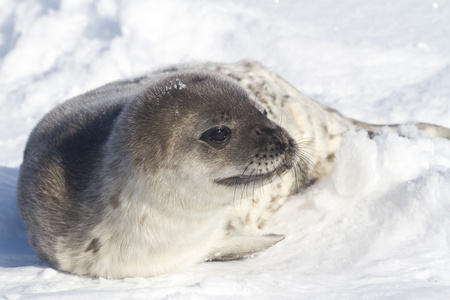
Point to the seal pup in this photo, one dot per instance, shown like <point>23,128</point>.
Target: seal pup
<point>151,175</point>
<point>136,178</point>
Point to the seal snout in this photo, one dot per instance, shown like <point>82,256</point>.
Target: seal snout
<point>275,144</point>
<point>278,151</point>
<point>274,152</point>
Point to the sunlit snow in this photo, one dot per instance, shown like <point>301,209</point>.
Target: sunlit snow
<point>377,227</point>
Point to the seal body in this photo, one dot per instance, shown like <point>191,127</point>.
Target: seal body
<point>149,176</point>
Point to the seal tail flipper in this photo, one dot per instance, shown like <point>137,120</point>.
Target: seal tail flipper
<point>234,247</point>
<point>433,130</point>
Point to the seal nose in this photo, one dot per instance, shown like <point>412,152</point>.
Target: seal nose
<point>276,142</point>
<point>265,131</point>
<point>270,136</point>
<point>275,136</point>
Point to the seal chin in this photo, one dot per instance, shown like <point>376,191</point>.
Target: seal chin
<point>246,179</point>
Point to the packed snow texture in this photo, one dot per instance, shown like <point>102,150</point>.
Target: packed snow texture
<point>377,227</point>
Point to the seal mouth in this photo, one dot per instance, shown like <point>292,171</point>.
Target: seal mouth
<point>246,179</point>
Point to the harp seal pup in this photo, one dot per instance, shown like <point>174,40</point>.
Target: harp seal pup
<point>152,175</point>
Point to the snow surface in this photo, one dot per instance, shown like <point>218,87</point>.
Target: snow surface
<point>377,227</point>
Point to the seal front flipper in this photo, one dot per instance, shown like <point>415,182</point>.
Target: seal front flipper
<point>234,247</point>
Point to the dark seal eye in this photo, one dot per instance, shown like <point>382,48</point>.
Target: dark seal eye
<point>217,137</point>
<point>265,112</point>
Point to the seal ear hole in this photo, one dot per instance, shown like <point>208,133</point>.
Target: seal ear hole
<point>217,137</point>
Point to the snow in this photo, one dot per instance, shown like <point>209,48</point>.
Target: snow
<point>377,227</point>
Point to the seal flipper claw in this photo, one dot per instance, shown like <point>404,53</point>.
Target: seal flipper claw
<point>234,247</point>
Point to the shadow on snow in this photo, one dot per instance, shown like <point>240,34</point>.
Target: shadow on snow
<point>14,248</point>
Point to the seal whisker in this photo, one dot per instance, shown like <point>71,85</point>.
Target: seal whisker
<point>306,158</point>
<point>296,178</point>
<point>246,186</point>
<point>263,194</point>
<point>243,188</point>
<point>280,118</point>
<point>296,134</point>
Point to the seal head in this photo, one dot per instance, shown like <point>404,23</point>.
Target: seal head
<point>206,122</point>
